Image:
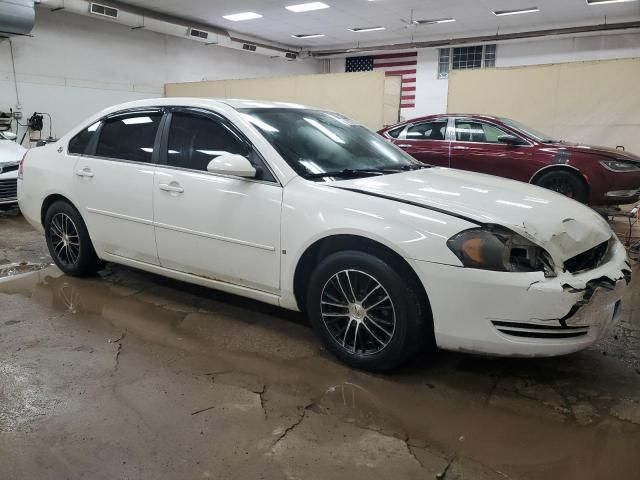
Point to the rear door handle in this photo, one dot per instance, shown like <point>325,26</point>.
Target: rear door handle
<point>174,188</point>
<point>405,145</point>
<point>85,172</point>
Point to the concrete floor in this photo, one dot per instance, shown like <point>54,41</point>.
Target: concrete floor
<point>130,375</point>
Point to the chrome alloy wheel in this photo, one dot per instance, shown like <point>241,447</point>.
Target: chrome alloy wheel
<point>358,312</point>
<point>65,240</point>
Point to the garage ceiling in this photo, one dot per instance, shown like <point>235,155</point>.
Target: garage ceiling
<point>472,17</point>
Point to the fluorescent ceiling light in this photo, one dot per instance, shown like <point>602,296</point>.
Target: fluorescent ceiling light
<point>430,22</point>
<point>365,29</point>
<point>240,17</point>
<point>500,13</point>
<point>605,2</point>
<point>307,7</point>
<point>310,35</point>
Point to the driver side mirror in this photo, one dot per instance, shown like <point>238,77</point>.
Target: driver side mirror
<point>511,140</point>
<point>232,164</point>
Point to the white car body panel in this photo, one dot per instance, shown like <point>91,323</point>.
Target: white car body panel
<point>10,155</point>
<point>122,222</point>
<point>247,237</point>
<point>212,242</point>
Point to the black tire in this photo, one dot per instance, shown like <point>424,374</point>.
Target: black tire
<point>564,182</point>
<point>402,323</point>
<point>68,241</point>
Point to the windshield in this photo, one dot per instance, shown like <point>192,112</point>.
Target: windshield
<point>536,135</point>
<point>320,144</point>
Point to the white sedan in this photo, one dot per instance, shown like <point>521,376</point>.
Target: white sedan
<point>310,211</point>
<point>10,155</point>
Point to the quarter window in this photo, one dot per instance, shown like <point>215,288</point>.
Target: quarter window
<point>395,133</point>
<point>78,144</point>
<point>129,137</point>
<point>467,131</point>
<point>428,131</point>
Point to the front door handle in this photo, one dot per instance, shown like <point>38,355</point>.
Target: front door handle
<point>404,145</point>
<point>85,172</point>
<point>173,187</point>
<point>460,147</point>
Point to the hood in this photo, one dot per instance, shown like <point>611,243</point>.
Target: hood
<point>10,152</point>
<point>562,226</point>
<point>596,150</point>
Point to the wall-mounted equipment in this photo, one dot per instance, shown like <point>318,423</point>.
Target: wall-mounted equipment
<point>17,17</point>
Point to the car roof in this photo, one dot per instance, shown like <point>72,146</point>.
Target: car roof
<point>235,103</point>
<point>447,115</point>
<point>442,115</point>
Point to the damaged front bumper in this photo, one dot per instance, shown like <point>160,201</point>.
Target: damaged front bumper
<point>525,314</point>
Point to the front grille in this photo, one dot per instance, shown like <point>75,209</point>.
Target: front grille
<point>8,189</point>
<point>9,168</point>
<point>588,260</point>
<point>534,330</point>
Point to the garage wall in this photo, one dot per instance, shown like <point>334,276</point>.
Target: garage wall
<point>74,66</point>
<point>590,102</point>
<point>432,93</point>
<point>368,97</point>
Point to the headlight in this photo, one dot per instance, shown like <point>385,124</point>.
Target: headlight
<point>620,166</point>
<point>499,249</point>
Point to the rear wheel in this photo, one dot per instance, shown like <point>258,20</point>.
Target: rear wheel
<point>564,182</point>
<point>68,241</point>
<point>366,313</point>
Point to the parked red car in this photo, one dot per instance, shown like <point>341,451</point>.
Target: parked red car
<point>498,146</point>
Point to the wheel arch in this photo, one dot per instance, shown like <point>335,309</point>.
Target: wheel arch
<point>50,200</point>
<point>567,168</point>
<point>554,168</point>
<point>340,242</point>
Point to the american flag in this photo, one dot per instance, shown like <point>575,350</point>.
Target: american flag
<point>401,64</point>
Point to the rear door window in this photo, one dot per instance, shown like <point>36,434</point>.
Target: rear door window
<point>129,136</point>
<point>428,131</point>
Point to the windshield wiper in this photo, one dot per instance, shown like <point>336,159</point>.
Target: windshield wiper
<point>415,166</point>
<point>347,172</point>
<point>403,168</point>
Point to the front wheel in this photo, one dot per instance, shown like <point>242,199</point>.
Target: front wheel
<point>566,183</point>
<point>366,313</point>
<point>68,241</point>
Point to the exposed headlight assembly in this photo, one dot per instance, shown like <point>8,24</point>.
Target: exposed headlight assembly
<point>620,165</point>
<point>496,248</point>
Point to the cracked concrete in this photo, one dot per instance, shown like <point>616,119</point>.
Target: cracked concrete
<point>129,375</point>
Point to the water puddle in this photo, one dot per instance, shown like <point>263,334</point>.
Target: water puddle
<point>525,425</point>
<point>13,269</point>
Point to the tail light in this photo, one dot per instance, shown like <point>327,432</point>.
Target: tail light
<point>21,166</point>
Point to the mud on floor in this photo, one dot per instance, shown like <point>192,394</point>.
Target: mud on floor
<point>130,375</point>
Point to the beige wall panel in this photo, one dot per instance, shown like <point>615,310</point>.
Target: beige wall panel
<point>590,102</point>
<point>392,93</point>
<point>361,96</point>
